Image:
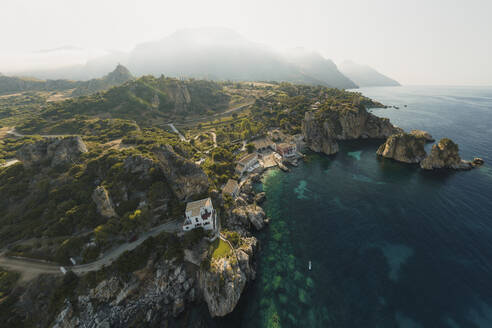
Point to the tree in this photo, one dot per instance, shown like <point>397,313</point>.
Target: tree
<point>250,148</point>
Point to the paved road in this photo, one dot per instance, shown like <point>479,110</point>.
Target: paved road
<point>214,138</point>
<point>31,268</point>
<point>177,132</point>
<point>9,162</point>
<point>20,135</point>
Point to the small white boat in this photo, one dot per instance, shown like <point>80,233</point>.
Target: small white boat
<point>309,265</point>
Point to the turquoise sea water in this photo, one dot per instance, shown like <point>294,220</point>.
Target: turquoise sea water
<point>390,245</point>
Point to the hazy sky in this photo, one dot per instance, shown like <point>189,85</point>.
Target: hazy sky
<point>416,42</point>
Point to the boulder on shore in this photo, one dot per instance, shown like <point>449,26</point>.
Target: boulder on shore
<point>243,215</point>
<point>403,147</point>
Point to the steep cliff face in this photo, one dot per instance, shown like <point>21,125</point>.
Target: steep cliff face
<point>223,283</point>
<point>322,129</point>
<point>55,151</point>
<point>403,147</point>
<point>445,154</point>
<point>103,202</point>
<point>158,292</point>
<point>180,95</point>
<point>185,177</point>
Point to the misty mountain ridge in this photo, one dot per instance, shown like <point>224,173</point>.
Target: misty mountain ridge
<point>215,53</point>
<point>365,76</point>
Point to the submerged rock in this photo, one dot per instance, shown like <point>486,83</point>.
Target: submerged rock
<point>403,147</point>
<point>322,129</point>
<point>445,154</point>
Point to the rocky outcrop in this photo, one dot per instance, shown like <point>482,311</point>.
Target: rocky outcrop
<point>103,202</point>
<point>403,147</point>
<point>223,283</point>
<point>422,134</point>
<point>322,129</point>
<point>260,197</point>
<point>52,151</point>
<point>445,154</point>
<point>158,292</point>
<point>249,214</point>
<point>185,177</point>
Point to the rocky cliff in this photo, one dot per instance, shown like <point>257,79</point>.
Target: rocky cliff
<point>152,296</point>
<point>54,151</point>
<point>404,147</point>
<point>322,129</point>
<point>103,202</point>
<point>423,134</point>
<point>223,283</point>
<point>445,154</point>
<point>185,177</point>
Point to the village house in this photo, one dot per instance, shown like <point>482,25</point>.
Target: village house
<point>287,150</point>
<point>263,144</point>
<point>247,164</point>
<point>231,188</point>
<point>200,213</point>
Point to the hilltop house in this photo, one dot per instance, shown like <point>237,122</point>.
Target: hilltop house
<point>287,150</point>
<point>247,164</point>
<point>200,213</point>
<point>231,188</point>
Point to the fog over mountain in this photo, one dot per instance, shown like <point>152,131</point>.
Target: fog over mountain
<point>365,76</point>
<point>211,53</point>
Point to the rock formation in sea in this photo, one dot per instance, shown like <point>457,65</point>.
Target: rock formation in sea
<point>322,129</point>
<point>422,134</point>
<point>445,154</point>
<point>404,147</point>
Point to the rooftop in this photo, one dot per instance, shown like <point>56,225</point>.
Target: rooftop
<point>194,207</point>
<point>247,158</point>
<point>262,143</point>
<point>284,145</point>
<point>230,186</point>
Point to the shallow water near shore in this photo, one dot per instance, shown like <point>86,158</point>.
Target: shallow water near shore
<point>390,245</point>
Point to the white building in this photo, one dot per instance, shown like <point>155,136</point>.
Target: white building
<point>287,150</point>
<point>247,164</point>
<point>200,213</point>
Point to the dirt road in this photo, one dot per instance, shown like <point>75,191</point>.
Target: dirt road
<point>30,268</point>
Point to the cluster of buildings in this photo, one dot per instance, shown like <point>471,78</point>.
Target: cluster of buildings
<point>201,213</point>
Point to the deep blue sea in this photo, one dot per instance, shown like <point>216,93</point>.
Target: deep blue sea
<point>390,245</point>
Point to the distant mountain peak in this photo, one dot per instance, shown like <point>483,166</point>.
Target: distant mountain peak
<point>365,76</point>
<point>119,75</point>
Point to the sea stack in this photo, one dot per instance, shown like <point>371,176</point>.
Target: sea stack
<point>445,154</point>
<point>404,147</point>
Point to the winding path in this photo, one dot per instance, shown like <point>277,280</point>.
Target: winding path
<point>30,268</point>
